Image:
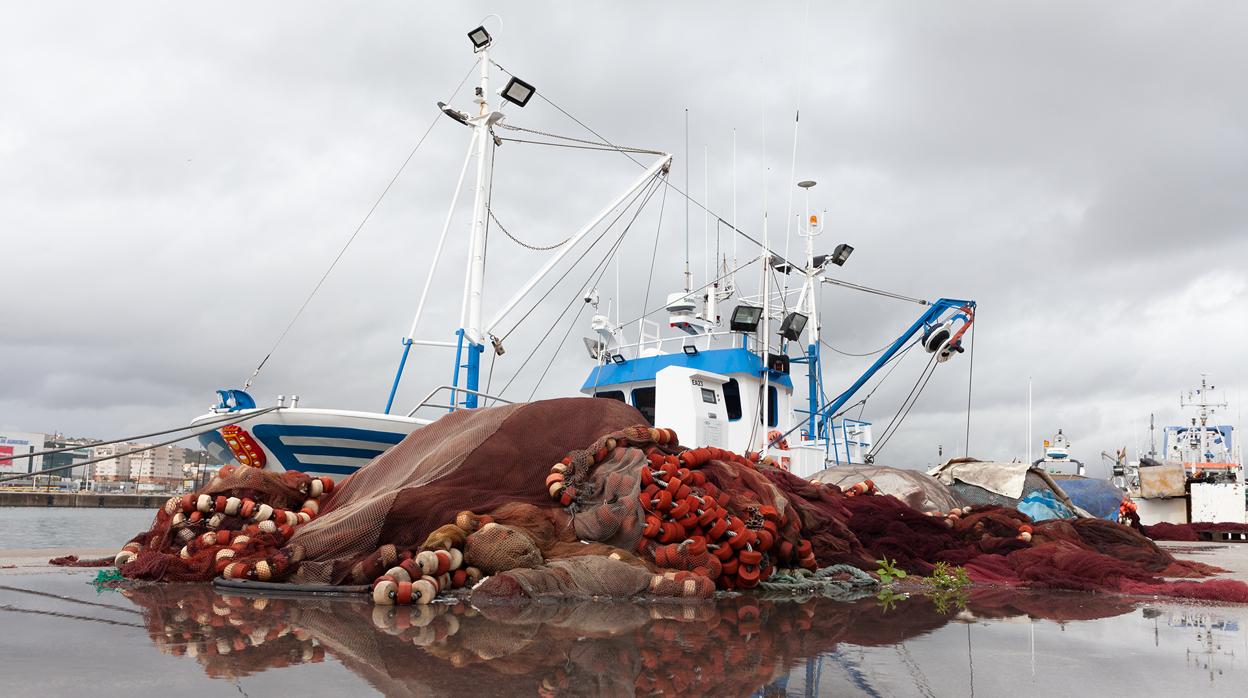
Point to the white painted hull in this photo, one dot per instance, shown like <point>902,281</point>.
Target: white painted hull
<point>315,441</point>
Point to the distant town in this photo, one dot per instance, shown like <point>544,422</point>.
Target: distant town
<point>105,468</point>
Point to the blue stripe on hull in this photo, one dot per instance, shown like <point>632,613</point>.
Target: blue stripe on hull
<point>324,468</point>
<point>288,456</point>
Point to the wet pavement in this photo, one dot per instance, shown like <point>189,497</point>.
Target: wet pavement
<point>61,632</point>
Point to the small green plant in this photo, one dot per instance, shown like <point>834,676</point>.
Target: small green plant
<point>889,571</point>
<point>946,577</point>
<point>948,587</point>
<point>888,598</point>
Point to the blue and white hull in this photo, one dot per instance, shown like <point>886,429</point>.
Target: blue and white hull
<point>314,441</point>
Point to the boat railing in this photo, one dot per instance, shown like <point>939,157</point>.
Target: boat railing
<point>454,391</point>
<point>656,343</point>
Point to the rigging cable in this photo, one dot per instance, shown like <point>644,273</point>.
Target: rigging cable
<point>356,232</point>
<point>601,269</point>
<point>625,153</point>
<point>126,439</point>
<point>970,377</point>
<point>92,461</point>
<point>598,239</point>
<point>904,411</point>
<point>553,287</point>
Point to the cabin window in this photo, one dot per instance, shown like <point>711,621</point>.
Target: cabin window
<point>773,410</point>
<point>611,395</point>
<point>643,400</point>
<point>732,399</point>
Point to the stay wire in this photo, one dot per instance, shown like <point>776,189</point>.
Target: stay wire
<point>626,154</point>
<point>654,255</point>
<point>45,471</point>
<point>356,232</point>
<point>689,198</point>
<point>125,439</point>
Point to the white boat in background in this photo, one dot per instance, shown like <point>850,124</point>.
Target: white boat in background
<point>1199,473</point>
<point>716,383</point>
<point>1057,460</point>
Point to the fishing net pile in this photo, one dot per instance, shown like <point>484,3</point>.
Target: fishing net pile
<point>569,498</point>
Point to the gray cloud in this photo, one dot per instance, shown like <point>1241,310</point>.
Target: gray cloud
<point>173,180</point>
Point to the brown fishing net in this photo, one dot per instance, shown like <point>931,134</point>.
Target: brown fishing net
<point>569,497</point>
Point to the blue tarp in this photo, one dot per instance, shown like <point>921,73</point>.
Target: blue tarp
<point>1042,505</point>
<point>1098,497</point>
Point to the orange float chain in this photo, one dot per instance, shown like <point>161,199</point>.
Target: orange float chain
<point>686,519</point>
<point>235,525</point>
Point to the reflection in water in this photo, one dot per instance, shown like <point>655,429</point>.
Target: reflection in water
<point>733,646</point>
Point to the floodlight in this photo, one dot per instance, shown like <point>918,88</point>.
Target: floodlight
<point>617,358</point>
<point>806,183</point>
<point>594,346</point>
<point>745,318</point>
<point>480,38</point>
<point>841,254</point>
<point>518,92</point>
<point>690,350</point>
<point>792,326</point>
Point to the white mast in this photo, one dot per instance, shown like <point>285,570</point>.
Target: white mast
<point>1029,461</point>
<point>475,283</point>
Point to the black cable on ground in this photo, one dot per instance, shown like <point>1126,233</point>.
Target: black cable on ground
<point>299,589</point>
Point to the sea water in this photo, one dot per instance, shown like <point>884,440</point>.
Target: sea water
<point>70,527</point>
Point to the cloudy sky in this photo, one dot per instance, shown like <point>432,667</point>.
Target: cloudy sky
<point>174,179</point>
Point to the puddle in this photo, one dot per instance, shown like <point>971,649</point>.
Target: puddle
<point>1003,642</point>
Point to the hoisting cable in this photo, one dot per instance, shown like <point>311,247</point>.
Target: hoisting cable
<point>92,461</point>
<point>355,233</point>
<point>217,420</point>
<point>863,401</point>
<point>904,411</point>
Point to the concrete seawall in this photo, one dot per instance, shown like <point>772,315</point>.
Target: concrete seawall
<point>82,500</point>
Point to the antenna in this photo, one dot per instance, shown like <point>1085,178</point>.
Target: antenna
<point>688,274</point>
<point>734,208</point>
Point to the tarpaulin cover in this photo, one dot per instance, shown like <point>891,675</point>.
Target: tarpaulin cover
<point>1041,505</point>
<point>1098,497</point>
<point>918,489</point>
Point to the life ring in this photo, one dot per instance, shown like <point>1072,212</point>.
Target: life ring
<point>777,440</point>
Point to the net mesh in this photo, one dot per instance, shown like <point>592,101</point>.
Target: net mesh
<point>570,497</point>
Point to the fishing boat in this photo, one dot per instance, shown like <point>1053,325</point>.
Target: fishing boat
<point>716,383</point>
<point>1198,475</point>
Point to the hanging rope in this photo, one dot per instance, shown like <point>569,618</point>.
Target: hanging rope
<point>518,241</point>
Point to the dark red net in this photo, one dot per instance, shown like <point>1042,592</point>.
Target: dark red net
<point>569,498</point>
